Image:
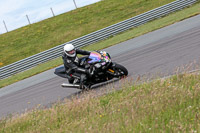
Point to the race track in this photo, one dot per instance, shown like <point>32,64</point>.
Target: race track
<point>156,53</point>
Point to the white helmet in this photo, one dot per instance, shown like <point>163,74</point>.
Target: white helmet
<point>69,50</point>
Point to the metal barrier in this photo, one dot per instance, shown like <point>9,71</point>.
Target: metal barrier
<point>93,37</point>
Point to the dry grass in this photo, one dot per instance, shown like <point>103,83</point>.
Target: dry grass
<point>171,105</point>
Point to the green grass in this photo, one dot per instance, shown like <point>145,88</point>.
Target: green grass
<point>46,34</point>
<point>151,26</point>
<point>171,105</point>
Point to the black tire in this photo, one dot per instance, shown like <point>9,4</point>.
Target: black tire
<point>85,87</point>
<point>121,69</point>
<point>71,80</point>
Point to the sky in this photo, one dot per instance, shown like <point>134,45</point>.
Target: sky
<point>13,12</point>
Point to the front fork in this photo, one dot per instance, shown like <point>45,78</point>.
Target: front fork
<point>111,70</point>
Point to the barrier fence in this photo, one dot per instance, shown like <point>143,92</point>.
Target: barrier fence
<point>93,37</point>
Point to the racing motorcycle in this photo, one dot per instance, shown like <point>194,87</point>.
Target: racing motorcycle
<point>103,65</point>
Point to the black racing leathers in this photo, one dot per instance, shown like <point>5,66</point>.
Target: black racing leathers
<point>72,64</point>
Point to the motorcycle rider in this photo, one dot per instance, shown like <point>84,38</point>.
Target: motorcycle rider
<point>72,64</point>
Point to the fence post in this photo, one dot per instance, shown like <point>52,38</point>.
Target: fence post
<point>5,25</point>
<point>52,12</point>
<point>28,19</point>
<point>75,4</point>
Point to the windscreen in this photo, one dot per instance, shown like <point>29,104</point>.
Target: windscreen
<point>94,57</point>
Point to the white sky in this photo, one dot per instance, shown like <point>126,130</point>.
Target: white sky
<point>14,12</point>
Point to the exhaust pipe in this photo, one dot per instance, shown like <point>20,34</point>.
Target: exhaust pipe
<point>70,85</point>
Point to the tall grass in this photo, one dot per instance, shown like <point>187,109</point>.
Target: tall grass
<point>51,32</point>
<point>171,105</point>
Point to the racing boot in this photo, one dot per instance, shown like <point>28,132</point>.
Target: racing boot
<point>83,82</point>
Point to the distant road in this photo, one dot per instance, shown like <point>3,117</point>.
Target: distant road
<point>156,53</point>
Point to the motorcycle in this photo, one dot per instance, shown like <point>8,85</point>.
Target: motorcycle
<point>105,70</point>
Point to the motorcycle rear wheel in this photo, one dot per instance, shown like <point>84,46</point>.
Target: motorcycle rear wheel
<point>71,80</point>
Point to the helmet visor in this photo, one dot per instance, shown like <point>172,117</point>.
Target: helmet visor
<point>71,52</point>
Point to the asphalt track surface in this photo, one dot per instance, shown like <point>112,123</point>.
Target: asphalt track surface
<point>158,53</point>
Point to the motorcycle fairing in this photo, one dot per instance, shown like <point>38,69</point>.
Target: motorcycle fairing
<point>96,57</point>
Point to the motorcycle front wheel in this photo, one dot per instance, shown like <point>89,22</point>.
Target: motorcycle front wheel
<point>120,71</point>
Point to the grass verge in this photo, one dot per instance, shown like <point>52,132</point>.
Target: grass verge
<point>151,26</point>
<point>171,105</point>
